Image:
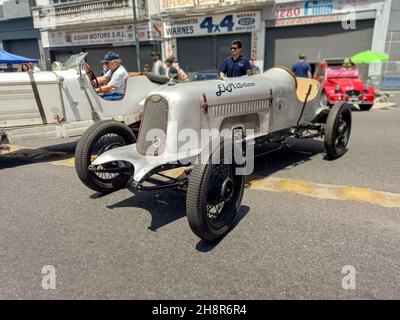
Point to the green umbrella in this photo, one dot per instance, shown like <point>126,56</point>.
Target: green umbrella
<point>369,57</point>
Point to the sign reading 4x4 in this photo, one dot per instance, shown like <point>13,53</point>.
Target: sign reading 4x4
<point>212,25</point>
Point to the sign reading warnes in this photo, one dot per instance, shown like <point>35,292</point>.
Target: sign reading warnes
<point>213,25</point>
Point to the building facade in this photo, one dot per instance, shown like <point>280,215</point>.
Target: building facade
<point>273,32</point>
<point>199,32</point>
<point>96,27</point>
<point>325,29</point>
<point>17,34</point>
<point>391,69</point>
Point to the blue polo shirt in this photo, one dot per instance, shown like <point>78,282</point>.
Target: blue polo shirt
<point>235,68</point>
<point>301,68</point>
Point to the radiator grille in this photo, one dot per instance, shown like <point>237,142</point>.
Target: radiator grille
<point>153,127</point>
<point>238,108</point>
<point>353,93</point>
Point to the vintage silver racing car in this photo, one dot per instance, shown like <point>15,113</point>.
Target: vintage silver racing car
<point>213,129</point>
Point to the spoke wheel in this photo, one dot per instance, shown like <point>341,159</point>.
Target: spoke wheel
<point>107,142</point>
<point>337,130</point>
<point>214,195</point>
<point>99,138</point>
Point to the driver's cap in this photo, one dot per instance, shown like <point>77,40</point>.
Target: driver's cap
<point>110,56</point>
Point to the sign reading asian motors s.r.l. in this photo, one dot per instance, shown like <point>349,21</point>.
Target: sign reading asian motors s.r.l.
<point>115,35</point>
<point>238,22</point>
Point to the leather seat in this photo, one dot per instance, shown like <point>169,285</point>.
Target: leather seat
<point>303,85</point>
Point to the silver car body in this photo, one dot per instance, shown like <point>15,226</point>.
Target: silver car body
<point>265,103</point>
<point>64,104</point>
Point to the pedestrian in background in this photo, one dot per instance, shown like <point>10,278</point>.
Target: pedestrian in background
<point>302,68</point>
<point>33,68</point>
<point>158,67</point>
<point>236,65</point>
<point>24,68</point>
<point>171,71</point>
<point>146,68</point>
<point>182,76</point>
<point>253,67</point>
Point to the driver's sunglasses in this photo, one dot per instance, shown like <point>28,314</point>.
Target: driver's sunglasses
<point>234,48</point>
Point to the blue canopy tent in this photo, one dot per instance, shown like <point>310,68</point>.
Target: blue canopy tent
<point>8,58</point>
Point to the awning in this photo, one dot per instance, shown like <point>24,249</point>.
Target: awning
<point>8,58</point>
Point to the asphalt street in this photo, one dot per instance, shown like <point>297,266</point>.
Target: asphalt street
<point>287,244</point>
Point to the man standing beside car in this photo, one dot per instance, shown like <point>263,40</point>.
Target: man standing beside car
<point>112,84</point>
<point>236,65</point>
<point>302,68</point>
<point>158,66</point>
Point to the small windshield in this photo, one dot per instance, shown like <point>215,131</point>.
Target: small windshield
<point>341,72</point>
<point>72,62</point>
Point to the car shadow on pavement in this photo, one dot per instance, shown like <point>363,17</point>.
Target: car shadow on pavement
<point>299,152</point>
<point>168,206</point>
<point>164,206</point>
<point>29,155</point>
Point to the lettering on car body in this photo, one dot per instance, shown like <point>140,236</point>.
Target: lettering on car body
<point>222,88</point>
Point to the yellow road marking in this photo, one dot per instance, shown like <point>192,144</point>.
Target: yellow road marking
<point>273,184</point>
<point>69,162</point>
<point>326,191</point>
<point>316,190</point>
<point>11,148</point>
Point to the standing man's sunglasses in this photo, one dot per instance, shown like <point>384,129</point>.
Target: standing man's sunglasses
<point>234,48</point>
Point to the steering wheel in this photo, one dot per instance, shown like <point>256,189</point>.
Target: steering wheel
<point>91,75</point>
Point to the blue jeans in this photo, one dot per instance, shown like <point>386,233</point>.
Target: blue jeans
<point>113,96</point>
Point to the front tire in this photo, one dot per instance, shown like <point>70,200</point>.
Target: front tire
<point>97,139</point>
<point>337,130</point>
<point>214,193</point>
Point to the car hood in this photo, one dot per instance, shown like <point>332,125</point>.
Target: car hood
<point>346,84</point>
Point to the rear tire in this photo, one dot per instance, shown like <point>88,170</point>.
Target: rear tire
<point>214,194</point>
<point>337,130</point>
<point>97,139</point>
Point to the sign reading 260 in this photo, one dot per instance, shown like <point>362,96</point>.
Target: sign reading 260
<point>227,23</point>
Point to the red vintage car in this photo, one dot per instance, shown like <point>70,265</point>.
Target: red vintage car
<point>340,81</point>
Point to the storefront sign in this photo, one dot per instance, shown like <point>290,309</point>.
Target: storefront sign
<point>318,8</point>
<point>178,4</point>
<point>303,20</point>
<point>116,35</point>
<point>213,25</point>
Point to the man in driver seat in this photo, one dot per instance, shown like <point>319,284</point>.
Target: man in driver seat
<point>112,84</point>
